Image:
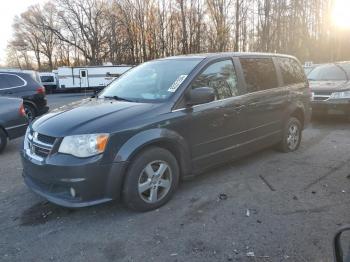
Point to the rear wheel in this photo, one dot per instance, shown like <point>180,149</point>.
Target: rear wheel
<point>292,134</point>
<point>3,140</point>
<point>30,112</point>
<point>151,179</point>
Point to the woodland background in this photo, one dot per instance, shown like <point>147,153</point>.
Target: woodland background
<point>93,32</point>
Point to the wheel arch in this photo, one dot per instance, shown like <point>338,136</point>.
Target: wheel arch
<point>31,103</point>
<point>299,113</point>
<point>164,138</point>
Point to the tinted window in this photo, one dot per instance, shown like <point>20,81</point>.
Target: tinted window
<point>327,72</point>
<point>259,73</point>
<point>47,79</point>
<point>83,73</point>
<point>221,76</point>
<point>292,73</point>
<point>10,80</point>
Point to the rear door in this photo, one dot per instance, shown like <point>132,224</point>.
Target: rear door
<point>266,100</point>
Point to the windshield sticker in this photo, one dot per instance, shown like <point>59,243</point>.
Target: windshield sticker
<point>177,83</point>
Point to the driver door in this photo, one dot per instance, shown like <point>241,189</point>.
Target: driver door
<point>217,128</point>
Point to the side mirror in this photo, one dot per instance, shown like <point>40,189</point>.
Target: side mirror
<point>339,256</point>
<point>200,95</point>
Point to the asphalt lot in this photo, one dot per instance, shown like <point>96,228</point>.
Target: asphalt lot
<point>296,202</point>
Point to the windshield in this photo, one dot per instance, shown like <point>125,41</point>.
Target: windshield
<point>151,81</point>
<point>327,73</point>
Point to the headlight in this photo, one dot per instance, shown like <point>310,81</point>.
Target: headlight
<point>337,95</point>
<point>84,145</point>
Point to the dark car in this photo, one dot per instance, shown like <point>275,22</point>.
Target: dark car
<point>22,85</point>
<point>13,121</point>
<point>330,86</point>
<point>163,121</point>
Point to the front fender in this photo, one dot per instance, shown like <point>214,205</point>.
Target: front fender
<point>157,136</point>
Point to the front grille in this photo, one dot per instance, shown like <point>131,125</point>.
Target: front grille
<point>321,95</point>
<point>46,139</point>
<point>39,151</point>
<point>39,145</point>
<point>317,98</point>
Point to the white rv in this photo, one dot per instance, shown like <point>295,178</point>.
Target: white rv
<point>90,77</point>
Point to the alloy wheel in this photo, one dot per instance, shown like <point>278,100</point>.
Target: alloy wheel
<point>293,136</point>
<point>155,181</point>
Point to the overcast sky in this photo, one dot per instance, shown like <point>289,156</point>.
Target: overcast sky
<point>10,8</point>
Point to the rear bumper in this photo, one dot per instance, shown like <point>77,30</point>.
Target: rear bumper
<point>93,182</point>
<point>40,103</point>
<point>336,107</point>
<point>43,110</point>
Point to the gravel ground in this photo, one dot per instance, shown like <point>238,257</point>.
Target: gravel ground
<point>277,207</point>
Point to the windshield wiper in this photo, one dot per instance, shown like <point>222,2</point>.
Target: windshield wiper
<point>118,98</point>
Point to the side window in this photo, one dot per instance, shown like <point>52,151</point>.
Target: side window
<point>221,76</point>
<point>259,73</point>
<point>3,82</point>
<point>7,80</point>
<point>292,73</point>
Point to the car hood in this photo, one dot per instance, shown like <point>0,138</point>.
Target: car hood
<point>90,116</point>
<point>331,86</point>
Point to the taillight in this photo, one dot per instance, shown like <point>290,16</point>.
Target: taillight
<point>22,112</point>
<point>40,90</point>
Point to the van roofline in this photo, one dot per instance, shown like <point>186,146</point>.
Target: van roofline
<point>99,66</point>
<point>223,54</point>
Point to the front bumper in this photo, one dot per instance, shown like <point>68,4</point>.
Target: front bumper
<point>93,182</point>
<point>331,107</point>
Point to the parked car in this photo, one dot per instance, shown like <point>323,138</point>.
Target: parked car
<point>49,81</point>
<point>164,120</point>
<point>22,85</point>
<point>330,88</point>
<point>13,121</point>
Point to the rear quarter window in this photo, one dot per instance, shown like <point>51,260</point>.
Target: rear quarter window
<point>10,80</point>
<point>291,71</point>
<point>259,73</point>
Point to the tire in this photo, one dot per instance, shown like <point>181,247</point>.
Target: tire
<point>143,179</point>
<point>30,112</point>
<point>292,134</point>
<point>3,140</point>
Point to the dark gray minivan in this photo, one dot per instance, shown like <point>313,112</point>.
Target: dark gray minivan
<point>163,121</point>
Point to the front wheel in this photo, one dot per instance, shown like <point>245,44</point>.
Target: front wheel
<point>151,179</point>
<point>292,133</point>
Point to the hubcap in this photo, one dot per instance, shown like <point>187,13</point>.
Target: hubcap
<point>155,181</point>
<point>293,136</point>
